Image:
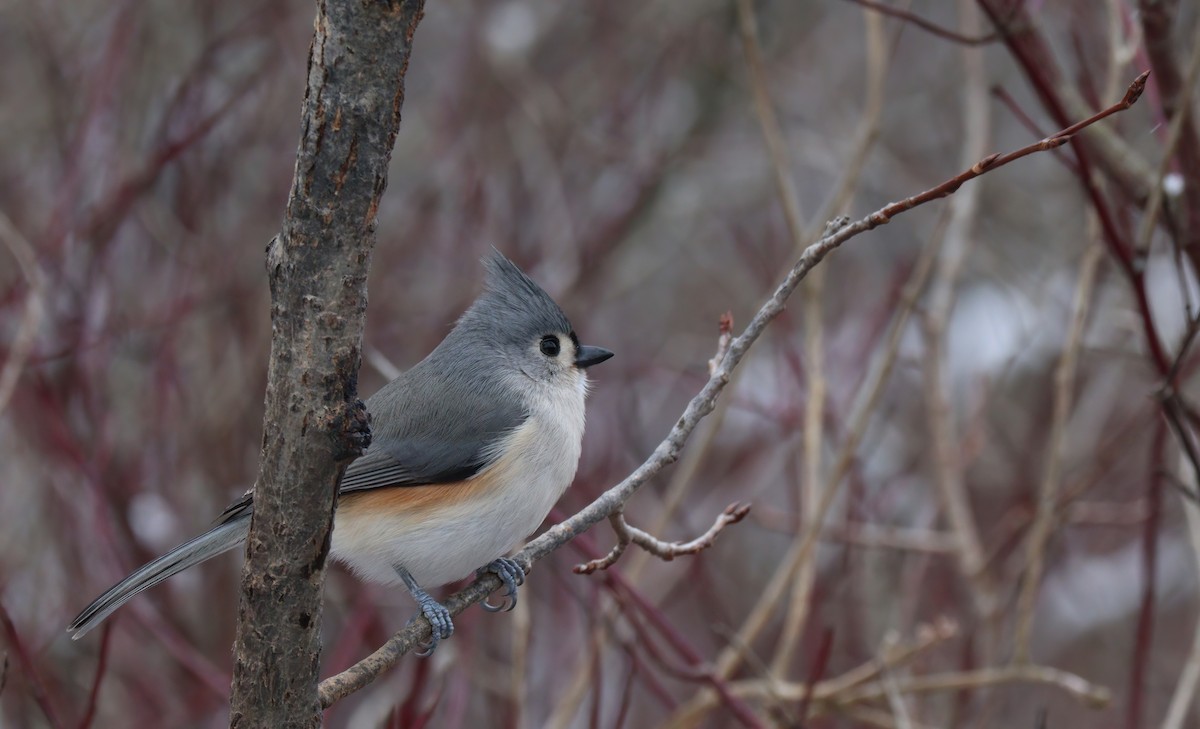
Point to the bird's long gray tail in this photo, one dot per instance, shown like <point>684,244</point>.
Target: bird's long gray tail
<point>219,539</point>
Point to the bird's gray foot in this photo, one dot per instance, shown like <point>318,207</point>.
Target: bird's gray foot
<point>439,619</point>
<point>440,622</point>
<point>511,574</point>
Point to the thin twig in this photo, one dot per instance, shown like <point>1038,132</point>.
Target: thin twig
<point>1147,612</point>
<point>724,337</point>
<point>697,669</point>
<point>875,717</point>
<point>1064,386</point>
<point>1030,125</point>
<point>101,670</point>
<point>624,539</point>
<point>868,535</point>
<point>882,536</point>
<point>946,452</point>
<point>809,484</point>
<point>1087,693</point>
<point>572,697</point>
<point>37,687</point>
<point>878,52</point>
<point>788,197</point>
<point>892,688</point>
<point>365,671</point>
<point>1189,677</point>
<point>1122,50</point>
<point>628,534</point>
<point>1100,513</point>
<point>784,712</point>
<point>1174,411</point>
<point>993,161</point>
<point>1033,51</point>
<point>518,671</point>
<point>894,656</point>
<point>668,551</point>
<point>1174,135</point>
<point>927,25</point>
<point>1159,22</point>
<point>769,689</point>
<point>35,308</point>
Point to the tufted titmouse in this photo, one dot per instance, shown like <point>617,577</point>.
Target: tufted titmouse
<point>470,450</point>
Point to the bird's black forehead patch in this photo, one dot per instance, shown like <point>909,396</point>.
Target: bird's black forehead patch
<point>514,304</point>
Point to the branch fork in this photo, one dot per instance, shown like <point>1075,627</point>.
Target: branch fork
<point>666,551</point>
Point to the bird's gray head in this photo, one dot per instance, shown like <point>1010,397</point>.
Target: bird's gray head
<point>518,323</point>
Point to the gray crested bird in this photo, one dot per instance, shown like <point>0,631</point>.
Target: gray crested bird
<point>470,449</point>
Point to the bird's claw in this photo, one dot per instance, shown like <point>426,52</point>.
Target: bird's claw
<point>440,622</point>
<point>511,575</point>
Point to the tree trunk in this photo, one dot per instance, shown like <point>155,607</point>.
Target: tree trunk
<point>314,423</point>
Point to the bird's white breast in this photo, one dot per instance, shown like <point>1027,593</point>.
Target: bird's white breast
<point>505,503</point>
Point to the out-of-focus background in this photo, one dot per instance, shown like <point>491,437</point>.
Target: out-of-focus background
<point>980,385</point>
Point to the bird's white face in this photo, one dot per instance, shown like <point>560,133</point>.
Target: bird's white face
<point>549,359</point>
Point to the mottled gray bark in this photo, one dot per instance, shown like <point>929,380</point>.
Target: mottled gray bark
<point>314,423</point>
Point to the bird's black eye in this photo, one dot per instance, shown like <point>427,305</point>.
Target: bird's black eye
<point>550,345</point>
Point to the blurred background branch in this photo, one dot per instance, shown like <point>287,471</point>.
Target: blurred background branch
<point>616,151</point>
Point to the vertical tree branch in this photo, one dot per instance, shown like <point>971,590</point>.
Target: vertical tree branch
<point>314,424</point>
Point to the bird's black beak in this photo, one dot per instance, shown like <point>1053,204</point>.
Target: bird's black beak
<point>588,356</point>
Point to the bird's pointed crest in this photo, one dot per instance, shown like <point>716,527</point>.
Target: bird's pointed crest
<point>512,301</point>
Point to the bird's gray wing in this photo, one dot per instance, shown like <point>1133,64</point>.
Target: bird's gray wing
<point>420,438</point>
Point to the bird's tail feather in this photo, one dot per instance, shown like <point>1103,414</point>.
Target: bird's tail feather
<point>219,539</point>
